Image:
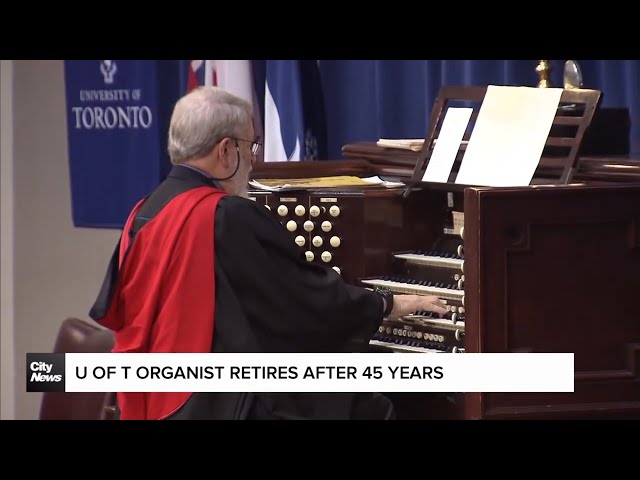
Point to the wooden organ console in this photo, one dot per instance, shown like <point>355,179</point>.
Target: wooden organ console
<point>553,267</point>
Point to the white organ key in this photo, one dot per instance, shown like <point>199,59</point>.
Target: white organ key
<point>416,289</point>
<point>436,322</point>
<point>431,260</point>
<point>404,348</point>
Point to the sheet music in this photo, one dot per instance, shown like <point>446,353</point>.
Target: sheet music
<point>509,136</point>
<point>447,145</point>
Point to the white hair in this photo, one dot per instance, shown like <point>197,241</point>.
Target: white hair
<point>202,118</point>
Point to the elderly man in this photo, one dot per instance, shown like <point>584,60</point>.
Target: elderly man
<point>201,268</point>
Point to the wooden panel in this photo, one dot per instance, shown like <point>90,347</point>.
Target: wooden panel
<point>328,168</point>
<point>555,270</point>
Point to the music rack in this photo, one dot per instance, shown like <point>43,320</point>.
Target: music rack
<point>559,160</point>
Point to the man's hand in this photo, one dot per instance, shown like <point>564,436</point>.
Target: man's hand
<point>408,304</point>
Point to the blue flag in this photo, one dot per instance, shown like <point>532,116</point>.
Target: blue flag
<point>293,111</point>
<point>117,120</point>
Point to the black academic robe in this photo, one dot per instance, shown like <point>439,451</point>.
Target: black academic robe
<point>268,298</point>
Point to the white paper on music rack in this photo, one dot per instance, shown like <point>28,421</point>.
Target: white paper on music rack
<point>447,145</point>
<point>509,136</point>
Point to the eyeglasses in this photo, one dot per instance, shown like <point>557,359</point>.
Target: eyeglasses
<point>255,146</point>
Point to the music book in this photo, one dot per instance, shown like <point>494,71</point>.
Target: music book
<point>340,181</point>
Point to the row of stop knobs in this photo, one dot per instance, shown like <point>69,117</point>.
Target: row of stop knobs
<point>325,256</point>
<point>300,210</point>
<point>309,226</point>
<point>413,334</point>
<point>318,241</point>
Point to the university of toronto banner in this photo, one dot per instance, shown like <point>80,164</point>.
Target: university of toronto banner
<point>117,114</point>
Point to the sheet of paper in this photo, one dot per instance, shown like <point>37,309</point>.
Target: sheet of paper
<point>509,136</point>
<point>447,145</point>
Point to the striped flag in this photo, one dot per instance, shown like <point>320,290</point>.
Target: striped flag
<point>283,119</point>
<point>195,74</point>
<point>293,112</point>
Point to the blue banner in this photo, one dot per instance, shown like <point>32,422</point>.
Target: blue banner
<point>118,113</point>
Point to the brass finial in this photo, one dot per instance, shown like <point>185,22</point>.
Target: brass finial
<point>544,72</point>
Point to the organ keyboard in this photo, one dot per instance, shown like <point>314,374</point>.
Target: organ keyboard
<point>403,348</point>
<point>438,271</point>
<point>535,269</point>
<point>418,287</point>
<point>432,259</point>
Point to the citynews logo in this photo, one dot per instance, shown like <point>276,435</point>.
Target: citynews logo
<point>45,372</point>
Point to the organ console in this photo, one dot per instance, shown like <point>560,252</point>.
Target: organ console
<point>553,267</point>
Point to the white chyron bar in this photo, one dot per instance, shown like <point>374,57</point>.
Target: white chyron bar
<point>311,372</point>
